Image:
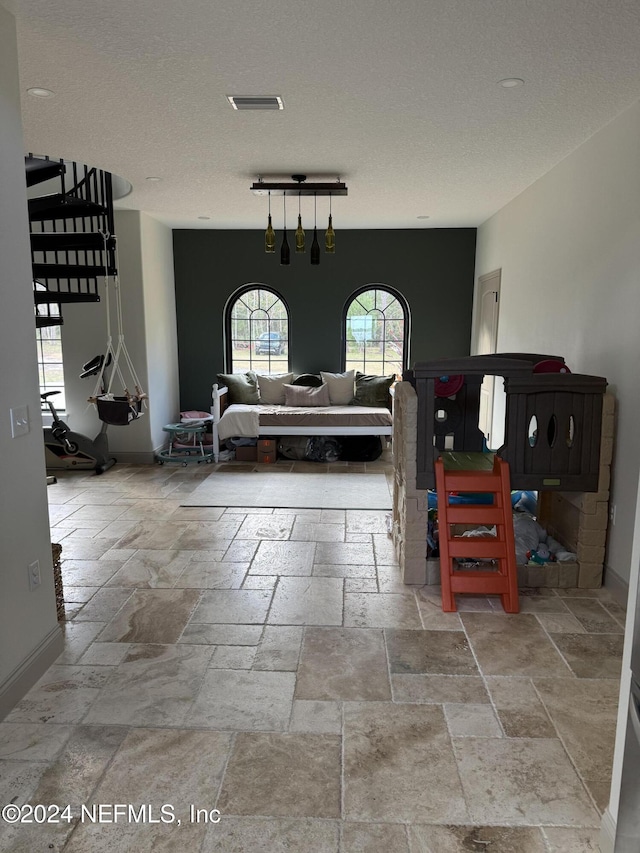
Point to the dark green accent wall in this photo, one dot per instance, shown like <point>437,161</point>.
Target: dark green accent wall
<point>432,268</point>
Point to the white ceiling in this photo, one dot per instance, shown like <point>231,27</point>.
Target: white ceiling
<point>400,99</point>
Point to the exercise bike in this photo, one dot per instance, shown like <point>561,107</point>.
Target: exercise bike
<point>66,449</point>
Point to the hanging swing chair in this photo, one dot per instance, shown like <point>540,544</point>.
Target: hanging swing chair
<point>117,410</point>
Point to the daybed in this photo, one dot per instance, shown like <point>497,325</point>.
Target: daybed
<point>252,405</point>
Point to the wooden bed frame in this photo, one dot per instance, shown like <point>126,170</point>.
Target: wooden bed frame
<point>219,404</point>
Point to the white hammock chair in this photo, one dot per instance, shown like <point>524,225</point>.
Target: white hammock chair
<point>112,409</point>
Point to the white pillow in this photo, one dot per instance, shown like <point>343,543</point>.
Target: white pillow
<point>342,387</point>
<point>271,388</point>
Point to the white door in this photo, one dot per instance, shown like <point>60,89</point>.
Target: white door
<point>487,305</point>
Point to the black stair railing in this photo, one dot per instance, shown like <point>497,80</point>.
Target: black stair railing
<point>72,234</point>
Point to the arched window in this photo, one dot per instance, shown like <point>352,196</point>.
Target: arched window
<point>257,331</point>
<point>376,331</point>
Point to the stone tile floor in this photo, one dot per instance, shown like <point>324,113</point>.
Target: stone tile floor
<point>271,665</point>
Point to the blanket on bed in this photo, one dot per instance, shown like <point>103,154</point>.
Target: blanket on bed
<point>245,420</point>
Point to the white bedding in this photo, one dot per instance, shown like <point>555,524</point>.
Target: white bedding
<point>246,420</point>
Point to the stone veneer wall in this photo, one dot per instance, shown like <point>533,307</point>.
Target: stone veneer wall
<point>579,520</point>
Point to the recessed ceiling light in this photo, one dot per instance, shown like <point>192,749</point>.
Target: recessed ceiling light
<point>204,217</point>
<point>39,92</point>
<point>422,216</point>
<point>272,102</point>
<point>153,178</point>
<point>511,82</point>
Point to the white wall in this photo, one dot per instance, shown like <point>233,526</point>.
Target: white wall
<point>569,252</point>
<point>28,623</point>
<point>145,265</point>
<point>161,328</point>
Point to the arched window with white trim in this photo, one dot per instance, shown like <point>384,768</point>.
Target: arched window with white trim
<point>257,331</point>
<point>376,331</point>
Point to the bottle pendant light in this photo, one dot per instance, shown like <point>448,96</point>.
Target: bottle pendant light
<point>299,232</point>
<point>315,246</point>
<point>330,236</point>
<point>285,254</point>
<point>269,234</point>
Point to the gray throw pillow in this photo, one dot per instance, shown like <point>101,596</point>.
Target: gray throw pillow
<point>303,395</point>
<point>243,387</point>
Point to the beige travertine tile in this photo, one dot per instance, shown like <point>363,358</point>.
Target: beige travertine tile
<point>104,605</point>
<point>584,713</point>
<point>266,527</point>
<point>508,645</point>
<point>560,623</point>
<point>272,835</point>
<point>201,535</point>
<point>561,839</point>
<point>392,755</point>
<point>344,554</point>
<point>311,715</point>
<point>241,606</point>
<point>88,573</point>
<point>343,663</point>
<point>436,652</point>
<point>151,569</point>
<point>279,648</point>
<point>151,534</point>
<point>233,657</point>
<point>519,708</point>
<point>152,616</point>
<point>451,839</point>
<point>468,720</point>
<point>591,655</point>
<point>521,781</point>
<point>155,685</point>
<point>243,700</point>
<point>274,557</point>
<point>212,575</point>
<point>72,777</point>
<point>307,767</point>
<point>345,571</point>
<point>427,689</point>
<point>307,601</point>
<point>32,741</point>
<point>593,616</point>
<point>385,610</point>
<point>311,531</point>
<point>197,633</point>
<point>374,838</point>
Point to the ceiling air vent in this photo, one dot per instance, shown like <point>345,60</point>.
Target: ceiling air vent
<point>269,103</point>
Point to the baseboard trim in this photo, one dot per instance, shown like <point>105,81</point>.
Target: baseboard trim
<point>30,670</point>
<point>617,586</point>
<point>607,832</point>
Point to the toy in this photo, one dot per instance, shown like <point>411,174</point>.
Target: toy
<point>540,556</point>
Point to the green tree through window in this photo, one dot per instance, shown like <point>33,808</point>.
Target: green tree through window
<point>257,324</point>
<point>376,332</point>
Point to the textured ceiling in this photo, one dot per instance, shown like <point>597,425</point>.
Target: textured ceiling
<point>400,99</point>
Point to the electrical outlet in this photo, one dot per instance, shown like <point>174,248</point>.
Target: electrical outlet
<point>612,513</point>
<point>34,574</point>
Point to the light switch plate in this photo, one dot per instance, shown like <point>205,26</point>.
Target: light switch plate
<point>19,421</point>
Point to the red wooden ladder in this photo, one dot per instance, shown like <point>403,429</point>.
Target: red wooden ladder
<point>502,581</point>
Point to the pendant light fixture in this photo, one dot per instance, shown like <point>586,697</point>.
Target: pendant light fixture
<point>302,187</point>
<point>299,232</point>
<point>329,235</point>
<point>315,246</point>
<point>285,254</point>
<point>269,234</point>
